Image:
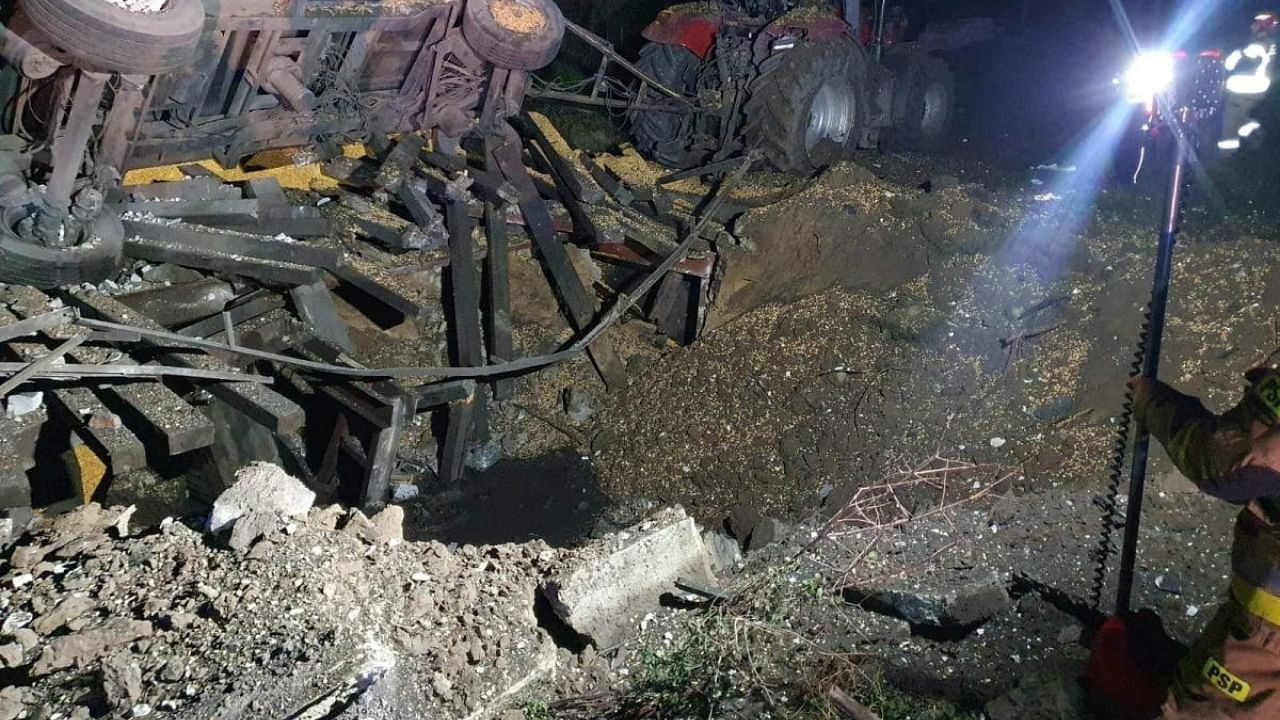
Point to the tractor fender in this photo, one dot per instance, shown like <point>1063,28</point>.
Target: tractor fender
<point>692,31</point>
<point>812,29</point>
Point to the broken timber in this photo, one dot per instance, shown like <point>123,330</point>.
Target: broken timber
<point>119,447</point>
<point>575,295</point>
<point>152,408</point>
<point>266,407</point>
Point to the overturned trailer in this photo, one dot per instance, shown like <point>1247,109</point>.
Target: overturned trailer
<point>92,88</point>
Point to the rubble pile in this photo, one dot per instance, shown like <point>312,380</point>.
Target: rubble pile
<point>329,610</point>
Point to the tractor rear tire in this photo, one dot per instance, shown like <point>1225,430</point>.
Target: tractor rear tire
<point>929,97</point>
<point>667,137</point>
<point>102,36</point>
<point>807,107</point>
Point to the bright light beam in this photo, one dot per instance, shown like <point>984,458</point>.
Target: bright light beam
<point>1046,239</point>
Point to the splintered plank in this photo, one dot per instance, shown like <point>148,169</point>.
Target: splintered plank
<point>498,290</point>
<point>149,406</point>
<point>263,405</point>
<point>200,188</point>
<point>575,295</point>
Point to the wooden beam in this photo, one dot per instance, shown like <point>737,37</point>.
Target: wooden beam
<point>575,295</point>
<point>261,404</point>
<point>151,408</point>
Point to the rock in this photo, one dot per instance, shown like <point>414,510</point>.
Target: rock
<point>1042,696</point>
<point>441,685</point>
<point>66,611</point>
<point>577,405</point>
<point>15,621</point>
<point>357,525</point>
<point>484,456</point>
<point>10,704</point>
<point>401,492</point>
<point>938,603</point>
<point>387,526</point>
<point>19,404</point>
<point>325,518</point>
<point>723,552</point>
<point>172,671</point>
<point>85,647</point>
<point>121,682</point>
<point>25,557</point>
<point>10,655</point>
<point>87,520</point>
<point>251,526</point>
<point>263,488</point>
<point>599,592</point>
<point>27,638</point>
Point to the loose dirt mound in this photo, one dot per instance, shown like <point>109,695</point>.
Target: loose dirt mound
<point>1009,343</point>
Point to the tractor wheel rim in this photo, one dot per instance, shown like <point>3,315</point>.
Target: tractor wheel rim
<point>830,116</point>
<point>934,114</point>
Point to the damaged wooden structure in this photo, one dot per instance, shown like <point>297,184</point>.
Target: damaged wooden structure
<point>249,273</point>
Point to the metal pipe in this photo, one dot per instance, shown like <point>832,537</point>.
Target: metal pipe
<point>603,47</point>
<point>29,59</point>
<point>1169,226</point>
<point>282,79</point>
<point>70,144</point>
<point>608,102</point>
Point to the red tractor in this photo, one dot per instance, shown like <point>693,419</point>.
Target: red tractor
<point>805,84</point>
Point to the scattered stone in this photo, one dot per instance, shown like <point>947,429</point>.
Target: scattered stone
<point>251,526</point>
<point>325,518</point>
<point>997,442</point>
<point>15,620</point>
<point>19,404</point>
<point>603,589</point>
<point>402,492</point>
<point>172,671</point>
<point>27,638</point>
<point>1169,584</point>
<point>85,647</point>
<point>263,488</point>
<point>66,611</point>
<point>937,601</point>
<point>11,655</point>
<point>387,526</point>
<point>485,455</point>
<point>121,681</point>
<point>723,552</point>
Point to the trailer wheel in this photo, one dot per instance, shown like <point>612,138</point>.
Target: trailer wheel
<point>93,260</point>
<point>928,93</point>
<point>106,37</point>
<point>807,108</point>
<point>668,137</point>
<point>514,34</point>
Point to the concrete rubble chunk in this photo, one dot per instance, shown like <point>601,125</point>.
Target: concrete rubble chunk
<point>387,525</point>
<point>603,589</point>
<point>66,611</point>
<point>85,647</point>
<point>932,601</point>
<point>262,488</point>
<point>723,551</point>
<point>251,526</point>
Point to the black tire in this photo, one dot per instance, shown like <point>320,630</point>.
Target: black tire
<point>927,97</point>
<point>93,261</point>
<point>510,48</point>
<point>105,37</point>
<point>807,107</point>
<point>667,138</point>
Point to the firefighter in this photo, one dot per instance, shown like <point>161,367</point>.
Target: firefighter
<point>1249,72</point>
<point>1233,669</point>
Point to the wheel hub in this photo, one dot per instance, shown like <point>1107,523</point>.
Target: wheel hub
<point>830,115</point>
<point>934,113</point>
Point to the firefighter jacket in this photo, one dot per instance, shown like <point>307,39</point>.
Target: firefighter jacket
<point>1236,457</point>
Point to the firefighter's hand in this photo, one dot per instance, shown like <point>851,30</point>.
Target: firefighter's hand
<point>1143,388</point>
